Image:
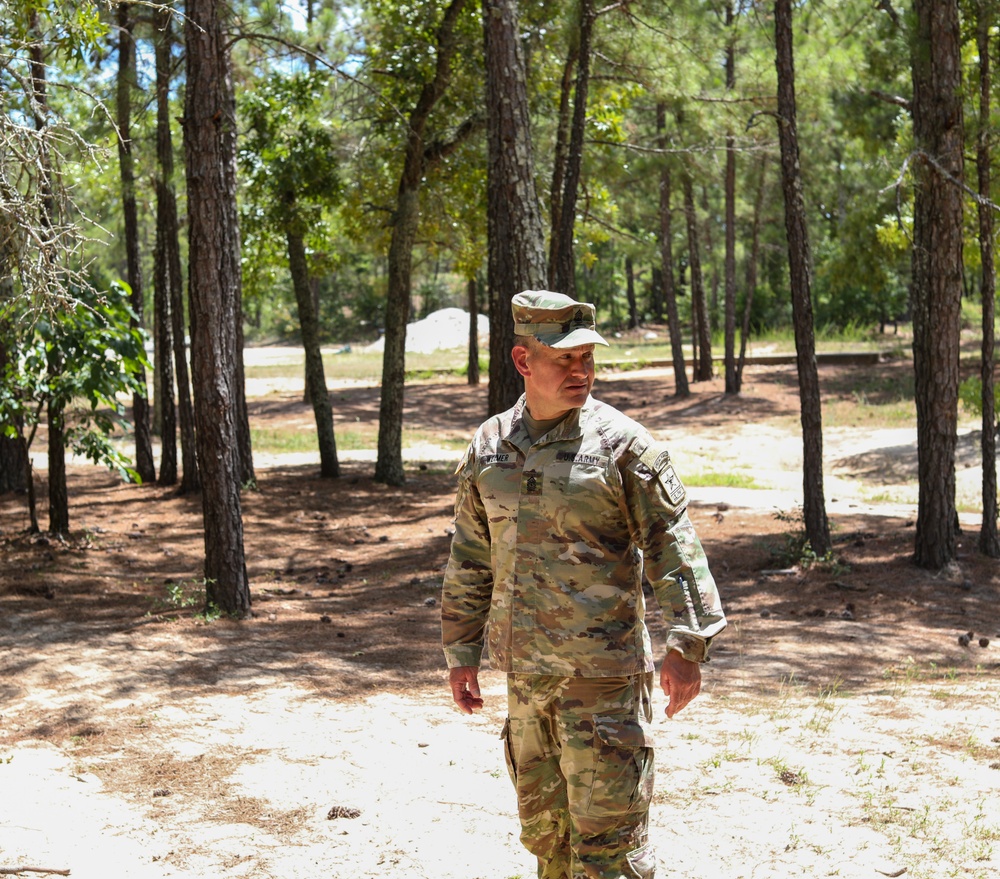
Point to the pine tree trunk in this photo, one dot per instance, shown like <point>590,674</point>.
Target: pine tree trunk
<point>472,296</point>
<point>514,221</point>
<point>389,465</point>
<point>565,267</point>
<point>681,388</point>
<point>814,505</point>
<point>168,277</point>
<point>732,382</point>
<point>752,262</point>
<point>58,494</point>
<point>937,272</point>
<point>560,156</point>
<point>989,541</point>
<point>633,307</point>
<point>144,463</point>
<point>699,306</point>
<point>319,396</point>
<point>12,469</point>
<point>209,140</point>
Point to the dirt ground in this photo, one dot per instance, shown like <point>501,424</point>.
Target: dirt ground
<point>843,729</point>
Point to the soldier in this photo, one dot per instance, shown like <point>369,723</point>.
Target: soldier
<point>563,503</point>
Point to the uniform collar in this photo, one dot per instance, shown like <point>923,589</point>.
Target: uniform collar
<point>567,429</point>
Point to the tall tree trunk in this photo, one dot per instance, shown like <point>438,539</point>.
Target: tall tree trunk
<point>514,219</point>
<point>989,541</point>
<point>144,463</point>
<point>699,306</point>
<point>319,396</point>
<point>633,307</point>
<point>58,494</point>
<point>162,296</point>
<point>656,305</point>
<point>389,465</point>
<point>732,381</point>
<point>681,388</point>
<point>169,277</point>
<point>560,157</point>
<point>472,296</point>
<point>937,271</point>
<point>752,262</point>
<point>799,262</point>
<point>565,268</point>
<point>209,141</point>
<point>12,463</point>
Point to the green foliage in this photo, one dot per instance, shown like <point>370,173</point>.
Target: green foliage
<point>796,550</point>
<point>78,360</point>
<point>970,394</point>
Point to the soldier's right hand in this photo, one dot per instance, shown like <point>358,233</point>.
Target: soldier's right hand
<point>464,682</point>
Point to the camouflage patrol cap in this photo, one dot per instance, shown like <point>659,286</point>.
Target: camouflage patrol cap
<point>554,319</point>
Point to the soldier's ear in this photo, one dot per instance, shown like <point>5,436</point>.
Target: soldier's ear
<point>519,354</point>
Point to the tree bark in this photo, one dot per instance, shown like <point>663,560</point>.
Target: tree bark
<point>560,157</point>
<point>168,278</point>
<point>516,259</point>
<point>58,494</point>
<point>699,305</point>
<point>814,505</point>
<point>989,541</point>
<point>319,396</point>
<point>209,141</point>
<point>472,295</point>
<point>144,463</point>
<point>633,307</point>
<point>564,269</point>
<point>12,469</point>
<point>389,465</point>
<point>752,262</point>
<point>681,388</point>
<point>732,382</point>
<point>937,272</point>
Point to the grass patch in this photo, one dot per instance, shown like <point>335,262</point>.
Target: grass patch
<point>728,479</point>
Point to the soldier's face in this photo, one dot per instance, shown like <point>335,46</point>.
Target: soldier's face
<point>555,379</point>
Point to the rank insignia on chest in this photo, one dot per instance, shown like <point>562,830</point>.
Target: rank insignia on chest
<point>532,482</point>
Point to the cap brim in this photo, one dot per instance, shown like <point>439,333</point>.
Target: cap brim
<point>572,339</point>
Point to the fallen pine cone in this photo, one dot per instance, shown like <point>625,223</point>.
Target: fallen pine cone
<point>342,812</point>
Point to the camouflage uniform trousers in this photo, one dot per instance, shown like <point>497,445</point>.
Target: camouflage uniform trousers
<point>580,754</point>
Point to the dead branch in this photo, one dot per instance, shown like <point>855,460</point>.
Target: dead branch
<point>13,871</point>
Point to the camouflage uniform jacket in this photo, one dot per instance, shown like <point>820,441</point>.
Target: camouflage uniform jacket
<point>549,546</point>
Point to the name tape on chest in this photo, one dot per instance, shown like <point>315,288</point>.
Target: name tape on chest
<point>486,460</point>
<point>574,458</point>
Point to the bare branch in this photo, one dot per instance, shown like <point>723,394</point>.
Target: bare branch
<point>897,100</point>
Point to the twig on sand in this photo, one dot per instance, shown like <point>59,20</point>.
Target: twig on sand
<point>13,871</point>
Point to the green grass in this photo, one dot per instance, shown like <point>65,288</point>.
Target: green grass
<point>728,479</point>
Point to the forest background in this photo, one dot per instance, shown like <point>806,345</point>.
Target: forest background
<point>350,166</point>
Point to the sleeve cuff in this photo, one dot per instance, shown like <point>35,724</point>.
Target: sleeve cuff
<point>463,655</point>
<point>692,649</point>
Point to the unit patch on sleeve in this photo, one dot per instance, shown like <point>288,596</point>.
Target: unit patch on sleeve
<point>657,459</point>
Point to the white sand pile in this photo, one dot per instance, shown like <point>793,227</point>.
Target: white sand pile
<point>440,330</point>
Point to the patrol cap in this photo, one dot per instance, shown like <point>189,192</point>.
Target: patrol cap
<point>554,319</point>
